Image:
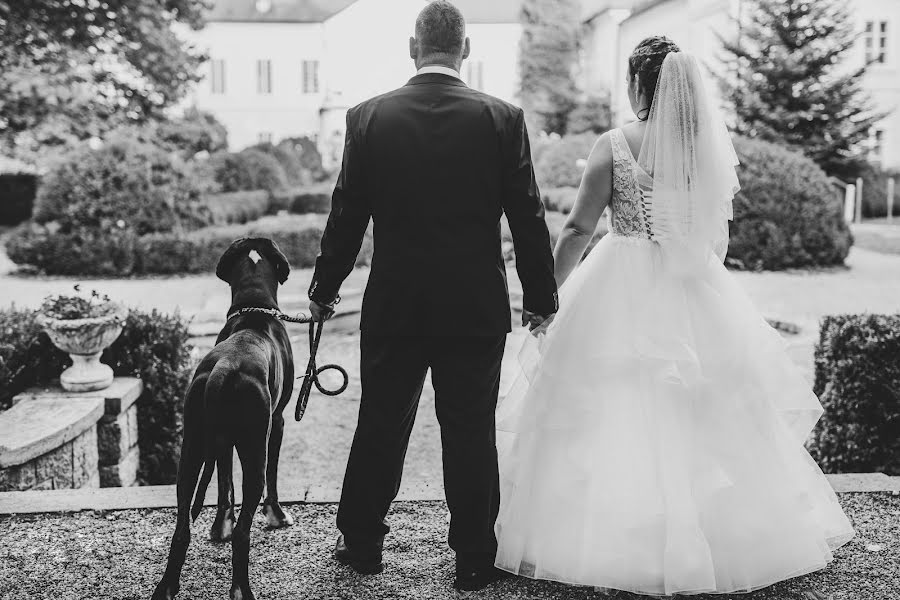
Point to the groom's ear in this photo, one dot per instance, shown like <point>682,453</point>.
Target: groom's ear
<point>467,49</point>
<point>413,48</point>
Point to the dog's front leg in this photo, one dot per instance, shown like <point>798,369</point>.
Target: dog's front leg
<point>223,525</point>
<point>275,514</point>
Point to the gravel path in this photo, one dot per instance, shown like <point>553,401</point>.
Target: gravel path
<point>119,555</point>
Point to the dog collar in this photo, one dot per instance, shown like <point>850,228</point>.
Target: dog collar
<point>272,312</point>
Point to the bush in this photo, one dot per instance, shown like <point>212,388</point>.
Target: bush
<point>874,201</point>
<point>559,162</point>
<point>310,158</point>
<point>858,383</point>
<point>250,169</point>
<point>127,184</point>
<point>787,213</point>
<point>304,200</point>
<point>237,207</point>
<point>199,251</point>
<point>17,192</point>
<point>152,346</point>
<point>80,251</point>
<point>592,115</point>
<point>195,132</point>
<point>559,199</point>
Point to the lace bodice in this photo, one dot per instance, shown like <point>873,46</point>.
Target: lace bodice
<point>628,212</point>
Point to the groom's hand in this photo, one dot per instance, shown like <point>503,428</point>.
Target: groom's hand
<point>536,323</point>
<point>320,312</point>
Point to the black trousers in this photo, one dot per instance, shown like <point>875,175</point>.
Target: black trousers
<point>465,372</point>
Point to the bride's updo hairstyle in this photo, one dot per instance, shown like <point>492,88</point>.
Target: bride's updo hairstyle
<point>645,63</point>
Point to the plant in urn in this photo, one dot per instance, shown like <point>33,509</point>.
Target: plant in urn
<point>83,326</point>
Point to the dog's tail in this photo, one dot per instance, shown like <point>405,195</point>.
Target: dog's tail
<point>212,443</point>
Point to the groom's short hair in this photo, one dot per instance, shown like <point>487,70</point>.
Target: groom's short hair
<point>441,29</point>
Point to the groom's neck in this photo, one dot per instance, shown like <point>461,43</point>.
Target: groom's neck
<point>439,61</point>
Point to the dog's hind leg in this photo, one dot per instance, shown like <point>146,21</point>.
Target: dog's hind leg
<point>275,515</point>
<point>188,472</point>
<point>252,452</point>
<point>223,525</point>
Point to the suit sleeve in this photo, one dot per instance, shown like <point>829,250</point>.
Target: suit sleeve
<point>525,213</point>
<point>346,227</point>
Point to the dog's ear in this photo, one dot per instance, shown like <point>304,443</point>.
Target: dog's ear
<point>274,254</point>
<point>226,262</point>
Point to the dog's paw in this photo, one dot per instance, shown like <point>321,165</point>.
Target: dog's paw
<point>241,593</point>
<point>276,517</point>
<point>223,526</point>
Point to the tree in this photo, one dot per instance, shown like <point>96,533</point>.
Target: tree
<point>792,85</point>
<point>73,69</point>
<point>593,114</point>
<point>548,52</point>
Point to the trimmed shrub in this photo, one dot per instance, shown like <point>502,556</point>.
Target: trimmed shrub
<point>310,158</point>
<point>559,163</point>
<point>787,213</point>
<point>127,184</point>
<point>304,200</point>
<point>195,132</point>
<point>858,382</point>
<point>250,169</point>
<point>80,251</point>
<point>199,251</point>
<point>874,201</point>
<point>152,346</point>
<point>17,192</point>
<point>237,207</point>
<point>559,199</point>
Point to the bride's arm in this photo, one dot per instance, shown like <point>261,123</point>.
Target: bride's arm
<point>593,196</point>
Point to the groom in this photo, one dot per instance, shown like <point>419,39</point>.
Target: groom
<point>435,165</point>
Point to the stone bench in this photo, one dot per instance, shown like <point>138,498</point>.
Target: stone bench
<point>54,439</point>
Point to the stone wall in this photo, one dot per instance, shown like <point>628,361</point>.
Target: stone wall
<point>53,439</point>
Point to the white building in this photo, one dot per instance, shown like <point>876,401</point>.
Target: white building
<point>281,68</point>
<point>614,27</point>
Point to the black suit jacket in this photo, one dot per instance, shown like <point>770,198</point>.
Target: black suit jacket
<point>435,164</point>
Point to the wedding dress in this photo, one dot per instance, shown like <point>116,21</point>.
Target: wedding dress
<point>653,441</point>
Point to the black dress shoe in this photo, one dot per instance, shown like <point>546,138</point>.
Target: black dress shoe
<point>366,562</point>
<point>472,579</point>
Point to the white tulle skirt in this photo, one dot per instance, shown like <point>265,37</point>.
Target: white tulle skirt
<point>653,441</point>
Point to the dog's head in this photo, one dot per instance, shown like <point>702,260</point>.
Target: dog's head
<point>249,253</point>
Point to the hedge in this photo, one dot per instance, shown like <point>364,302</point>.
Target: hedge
<point>857,379</point>
<point>78,252</point>
<point>199,251</point>
<point>874,201</point>
<point>17,193</point>
<point>237,207</point>
<point>787,213</point>
<point>304,200</point>
<point>153,346</point>
<point>558,162</point>
<point>249,169</point>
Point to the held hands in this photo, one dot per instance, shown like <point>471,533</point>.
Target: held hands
<point>320,312</point>
<point>537,324</point>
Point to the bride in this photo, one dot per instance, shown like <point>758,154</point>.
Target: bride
<point>653,442</point>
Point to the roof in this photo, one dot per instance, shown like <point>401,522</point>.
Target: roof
<point>318,11</point>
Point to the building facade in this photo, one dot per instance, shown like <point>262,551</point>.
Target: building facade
<point>614,27</point>
<point>283,68</point>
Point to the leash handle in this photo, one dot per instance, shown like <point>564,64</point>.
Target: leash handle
<point>311,377</point>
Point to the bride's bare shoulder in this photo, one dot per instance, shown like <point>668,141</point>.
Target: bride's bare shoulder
<point>601,156</point>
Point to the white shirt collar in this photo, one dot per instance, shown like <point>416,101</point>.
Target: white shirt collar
<point>439,69</point>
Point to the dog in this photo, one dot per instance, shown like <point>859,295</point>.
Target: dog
<point>235,401</point>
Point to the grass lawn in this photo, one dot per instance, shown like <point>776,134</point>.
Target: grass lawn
<point>120,555</point>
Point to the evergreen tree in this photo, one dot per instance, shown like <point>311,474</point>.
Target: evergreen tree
<point>792,84</point>
<point>548,52</point>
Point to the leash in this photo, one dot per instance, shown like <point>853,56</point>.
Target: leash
<point>311,377</point>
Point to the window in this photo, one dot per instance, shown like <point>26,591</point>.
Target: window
<point>264,76</point>
<point>876,144</point>
<point>264,137</point>
<point>876,41</point>
<point>217,75</point>
<point>310,77</point>
<point>475,74</point>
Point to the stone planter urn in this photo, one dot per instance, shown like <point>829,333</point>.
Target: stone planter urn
<point>85,339</point>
